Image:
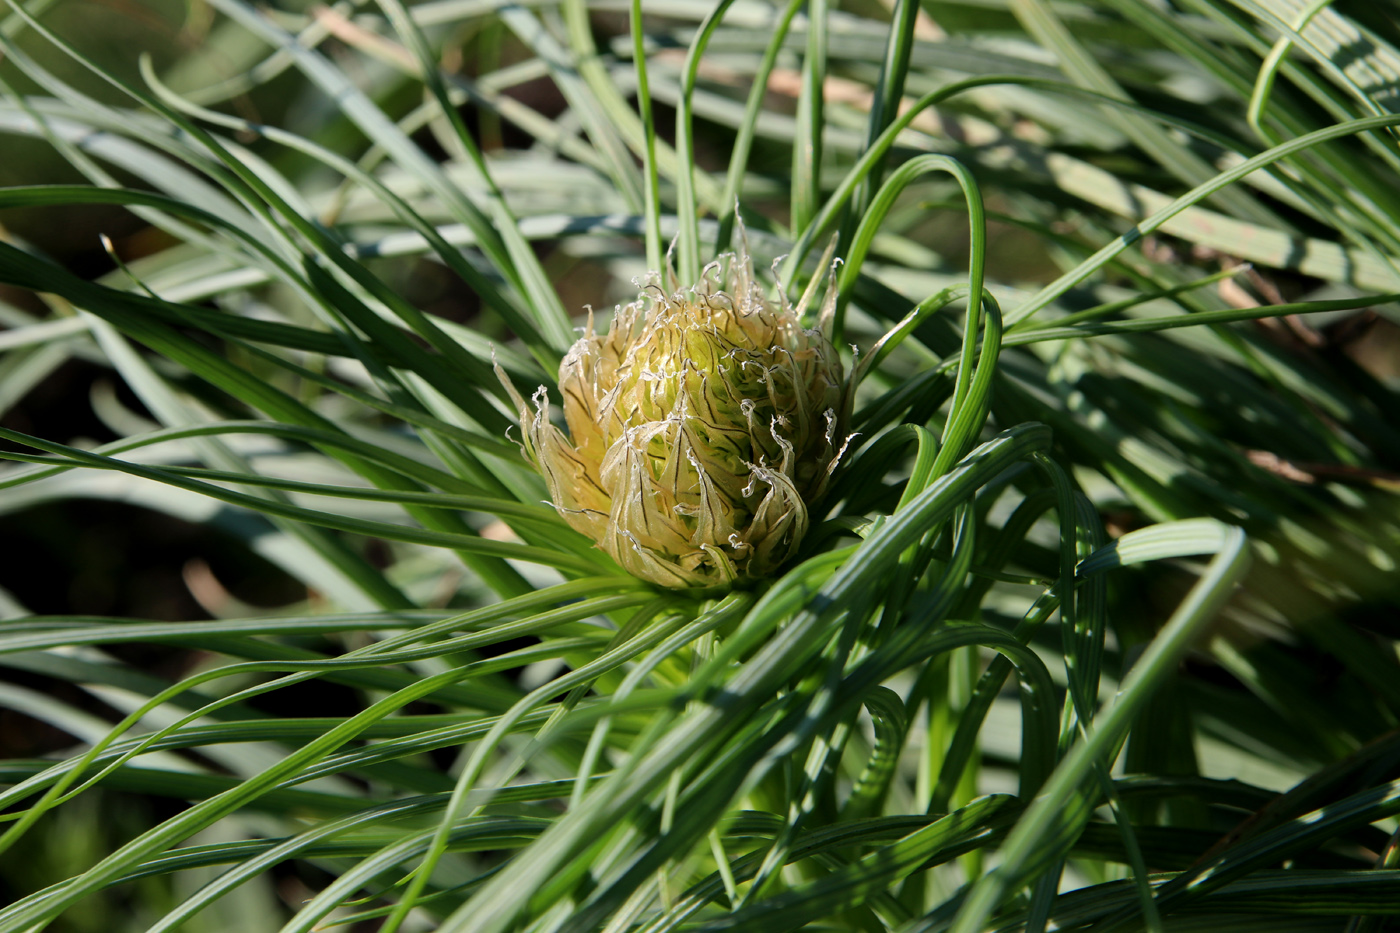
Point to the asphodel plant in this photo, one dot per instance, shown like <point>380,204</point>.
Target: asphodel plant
<point>702,426</point>
<point>835,751</point>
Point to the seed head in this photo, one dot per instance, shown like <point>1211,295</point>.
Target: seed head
<point>701,426</point>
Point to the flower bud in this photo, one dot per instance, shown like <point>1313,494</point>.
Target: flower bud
<point>701,427</point>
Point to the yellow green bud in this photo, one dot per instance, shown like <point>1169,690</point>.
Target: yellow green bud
<point>701,427</point>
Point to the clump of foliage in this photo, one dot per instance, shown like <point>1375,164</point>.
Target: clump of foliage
<point>1100,598</point>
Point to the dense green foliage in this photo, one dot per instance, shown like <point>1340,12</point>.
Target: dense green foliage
<point>1103,599</point>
